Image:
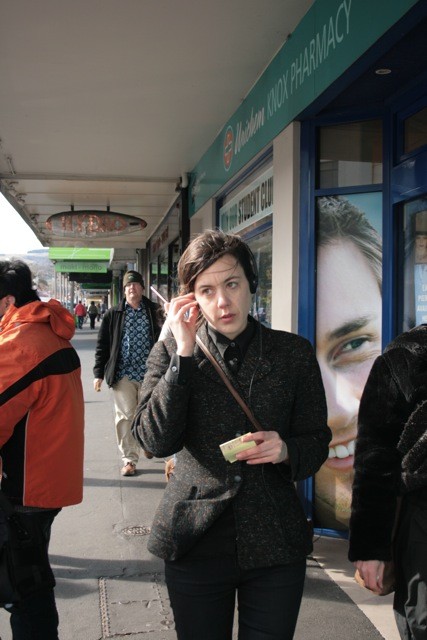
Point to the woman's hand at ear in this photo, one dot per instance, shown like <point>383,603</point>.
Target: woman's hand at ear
<point>182,313</point>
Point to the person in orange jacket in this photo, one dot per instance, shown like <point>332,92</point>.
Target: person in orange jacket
<point>41,423</point>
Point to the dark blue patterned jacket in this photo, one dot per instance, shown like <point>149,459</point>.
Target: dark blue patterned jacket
<point>110,335</point>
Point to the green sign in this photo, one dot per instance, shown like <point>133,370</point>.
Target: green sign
<point>82,266</point>
<point>329,39</point>
<point>79,253</point>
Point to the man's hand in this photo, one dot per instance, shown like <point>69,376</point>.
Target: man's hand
<point>97,384</point>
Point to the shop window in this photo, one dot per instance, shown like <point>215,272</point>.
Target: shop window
<point>415,131</point>
<point>154,277</point>
<point>248,211</point>
<point>350,154</point>
<point>415,264</point>
<point>162,282</point>
<point>174,255</point>
<point>261,247</point>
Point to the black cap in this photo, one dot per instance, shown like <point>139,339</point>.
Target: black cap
<point>133,276</point>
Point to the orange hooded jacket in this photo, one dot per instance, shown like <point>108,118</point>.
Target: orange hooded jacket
<point>41,407</point>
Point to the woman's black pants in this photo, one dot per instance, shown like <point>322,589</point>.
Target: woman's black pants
<point>203,592</point>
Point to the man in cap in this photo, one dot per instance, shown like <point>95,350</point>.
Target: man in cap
<point>126,336</point>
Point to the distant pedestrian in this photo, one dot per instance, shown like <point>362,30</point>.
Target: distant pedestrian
<point>41,424</point>
<point>93,314</point>
<point>80,313</point>
<point>126,336</point>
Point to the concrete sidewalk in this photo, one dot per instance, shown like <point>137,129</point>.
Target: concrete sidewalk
<point>110,586</point>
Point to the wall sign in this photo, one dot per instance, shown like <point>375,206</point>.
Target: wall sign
<point>83,266</point>
<point>93,224</point>
<point>252,204</point>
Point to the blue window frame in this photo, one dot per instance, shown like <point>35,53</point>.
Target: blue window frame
<point>310,194</point>
<point>404,193</point>
<point>408,198</point>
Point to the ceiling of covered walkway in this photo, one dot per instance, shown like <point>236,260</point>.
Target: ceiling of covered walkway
<point>108,103</point>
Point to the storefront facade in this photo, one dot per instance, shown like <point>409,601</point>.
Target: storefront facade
<point>248,211</point>
<point>165,247</point>
<point>336,127</point>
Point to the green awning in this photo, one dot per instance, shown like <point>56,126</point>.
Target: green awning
<point>80,253</point>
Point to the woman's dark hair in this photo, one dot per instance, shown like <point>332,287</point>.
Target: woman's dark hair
<point>207,248</point>
<point>16,280</point>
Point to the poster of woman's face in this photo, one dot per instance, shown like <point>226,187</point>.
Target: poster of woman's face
<point>348,334</point>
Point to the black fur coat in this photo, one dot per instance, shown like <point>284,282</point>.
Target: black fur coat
<point>391,447</point>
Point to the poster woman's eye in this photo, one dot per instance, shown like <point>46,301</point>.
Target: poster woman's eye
<point>355,350</point>
<point>354,344</point>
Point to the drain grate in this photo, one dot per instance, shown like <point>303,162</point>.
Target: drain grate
<point>136,531</point>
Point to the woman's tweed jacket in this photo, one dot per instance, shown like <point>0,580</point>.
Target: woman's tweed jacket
<point>391,447</point>
<point>195,418</point>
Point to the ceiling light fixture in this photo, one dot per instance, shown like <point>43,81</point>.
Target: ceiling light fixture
<point>383,71</point>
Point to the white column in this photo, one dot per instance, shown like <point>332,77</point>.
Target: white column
<point>286,171</point>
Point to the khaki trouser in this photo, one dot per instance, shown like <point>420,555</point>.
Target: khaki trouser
<point>126,397</point>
